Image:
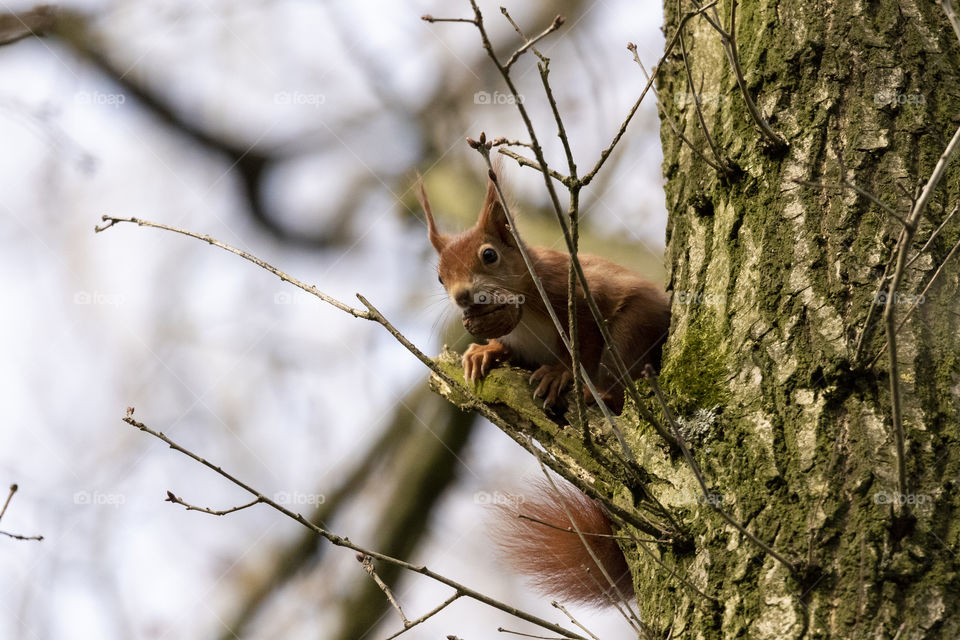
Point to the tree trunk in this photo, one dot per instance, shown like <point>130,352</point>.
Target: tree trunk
<point>772,285</point>
<point>776,319</point>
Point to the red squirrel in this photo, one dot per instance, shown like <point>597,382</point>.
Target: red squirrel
<point>485,276</point>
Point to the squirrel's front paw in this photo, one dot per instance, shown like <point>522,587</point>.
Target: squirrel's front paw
<point>553,379</point>
<point>479,359</point>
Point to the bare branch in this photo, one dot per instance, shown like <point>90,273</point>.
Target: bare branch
<point>556,24</point>
<point>933,236</point>
<point>13,490</point>
<point>429,18</point>
<point>569,615</point>
<point>889,313</point>
<point>345,542</point>
<point>176,500</point>
<point>440,607</point>
<point>623,127</point>
<point>666,116</point>
<point>730,46</point>
<point>357,313</point>
<point>6,503</point>
<point>696,103</point>
<point>367,563</point>
<point>527,162</point>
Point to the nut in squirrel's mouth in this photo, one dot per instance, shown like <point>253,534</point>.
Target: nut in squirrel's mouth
<point>491,321</point>
<point>486,311</point>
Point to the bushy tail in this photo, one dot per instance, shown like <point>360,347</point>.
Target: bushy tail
<point>538,540</point>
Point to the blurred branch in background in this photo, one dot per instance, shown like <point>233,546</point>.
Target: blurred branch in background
<point>16,26</point>
<point>339,541</point>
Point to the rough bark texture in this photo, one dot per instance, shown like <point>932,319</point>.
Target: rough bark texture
<point>772,285</point>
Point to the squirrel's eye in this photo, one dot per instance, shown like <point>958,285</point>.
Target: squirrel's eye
<point>489,256</point>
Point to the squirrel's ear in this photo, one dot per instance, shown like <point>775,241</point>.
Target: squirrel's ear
<point>436,238</point>
<point>493,219</point>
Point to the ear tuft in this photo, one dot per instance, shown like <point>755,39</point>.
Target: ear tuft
<point>437,239</point>
<point>493,218</point>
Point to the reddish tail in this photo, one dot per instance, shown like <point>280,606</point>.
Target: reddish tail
<point>544,546</point>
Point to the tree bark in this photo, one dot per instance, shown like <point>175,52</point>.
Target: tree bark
<point>776,322</point>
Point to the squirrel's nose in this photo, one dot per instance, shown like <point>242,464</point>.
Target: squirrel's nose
<point>463,297</point>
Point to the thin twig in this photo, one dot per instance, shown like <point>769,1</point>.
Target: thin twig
<point>696,104</point>
<point>666,116</point>
<point>496,142</point>
<point>16,536</point>
<point>557,23</point>
<point>367,563</point>
<point>569,615</point>
<point>889,313</point>
<point>429,18</point>
<point>933,236</point>
<point>730,46</point>
<point>573,213</point>
<point>345,542</point>
<point>919,299</point>
<point>440,607</point>
<point>845,184</point>
<point>527,162</point>
<point>13,489</point>
<point>176,500</point>
<point>656,70</point>
<point>357,313</point>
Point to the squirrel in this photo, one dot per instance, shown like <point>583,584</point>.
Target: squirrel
<point>485,276</point>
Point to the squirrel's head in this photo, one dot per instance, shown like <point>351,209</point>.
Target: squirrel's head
<point>482,269</point>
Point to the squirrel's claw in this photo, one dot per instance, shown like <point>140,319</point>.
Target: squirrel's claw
<point>553,379</point>
<point>479,359</point>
